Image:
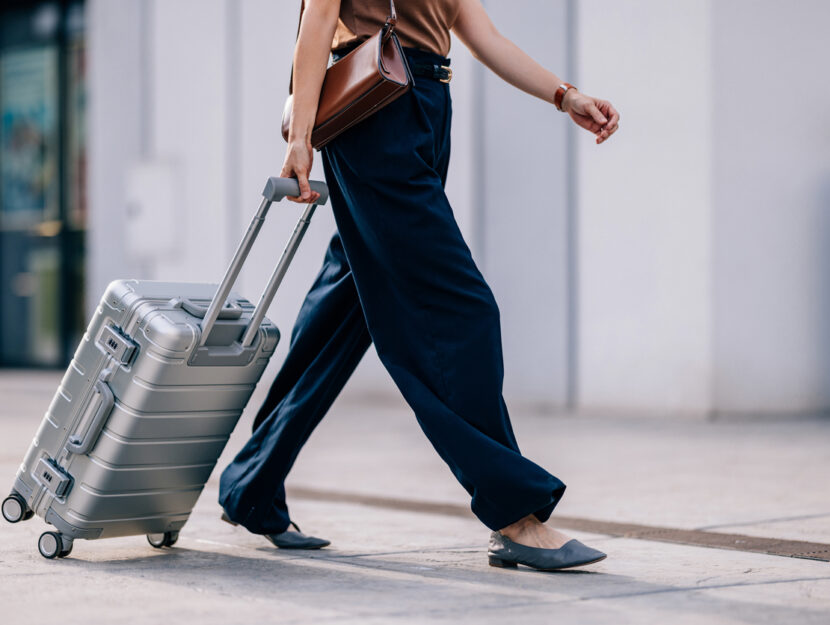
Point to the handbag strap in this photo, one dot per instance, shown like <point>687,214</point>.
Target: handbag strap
<point>388,29</point>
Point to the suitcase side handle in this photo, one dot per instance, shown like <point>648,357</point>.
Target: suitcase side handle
<point>231,310</point>
<point>82,444</point>
<point>275,190</point>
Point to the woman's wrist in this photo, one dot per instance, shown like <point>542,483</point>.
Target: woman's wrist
<point>299,132</point>
<point>301,123</point>
<point>564,94</point>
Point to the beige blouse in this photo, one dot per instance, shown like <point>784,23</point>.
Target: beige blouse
<point>423,24</point>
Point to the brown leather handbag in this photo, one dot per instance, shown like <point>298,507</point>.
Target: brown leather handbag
<point>365,80</point>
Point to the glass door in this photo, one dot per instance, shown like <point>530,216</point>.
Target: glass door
<point>42,182</point>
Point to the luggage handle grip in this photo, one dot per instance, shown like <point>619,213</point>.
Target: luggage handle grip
<point>275,190</point>
<point>82,444</point>
<point>278,188</point>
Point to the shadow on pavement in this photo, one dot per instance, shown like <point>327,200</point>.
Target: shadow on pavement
<point>438,584</point>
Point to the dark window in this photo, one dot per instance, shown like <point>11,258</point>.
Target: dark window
<point>42,181</point>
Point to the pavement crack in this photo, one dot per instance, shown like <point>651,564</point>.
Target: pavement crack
<point>680,589</point>
<point>374,554</point>
<point>786,519</point>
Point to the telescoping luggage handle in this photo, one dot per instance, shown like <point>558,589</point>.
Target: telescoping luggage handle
<point>275,190</point>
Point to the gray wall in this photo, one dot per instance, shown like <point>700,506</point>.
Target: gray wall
<point>116,130</point>
<point>676,269</point>
<point>771,199</point>
<point>523,190</point>
<point>703,230</point>
<point>645,212</point>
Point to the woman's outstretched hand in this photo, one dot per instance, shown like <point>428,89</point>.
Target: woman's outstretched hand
<point>593,114</point>
<point>476,31</point>
<point>297,164</point>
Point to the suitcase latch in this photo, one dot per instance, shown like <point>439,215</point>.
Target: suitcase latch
<point>52,477</point>
<point>116,345</point>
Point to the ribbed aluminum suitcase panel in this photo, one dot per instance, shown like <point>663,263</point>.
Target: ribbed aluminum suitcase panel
<point>167,427</point>
<point>149,401</point>
<point>106,477</point>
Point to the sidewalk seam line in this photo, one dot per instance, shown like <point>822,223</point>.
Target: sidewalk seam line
<point>695,537</point>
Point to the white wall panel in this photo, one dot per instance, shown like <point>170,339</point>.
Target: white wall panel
<point>115,135</point>
<point>772,206</point>
<point>644,208</point>
<point>188,48</point>
<point>523,190</point>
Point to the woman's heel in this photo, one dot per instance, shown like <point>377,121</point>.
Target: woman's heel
<point>227,519</point>
<point>502,564</point>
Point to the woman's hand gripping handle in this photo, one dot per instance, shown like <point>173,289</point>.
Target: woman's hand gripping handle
<point>310,57</point>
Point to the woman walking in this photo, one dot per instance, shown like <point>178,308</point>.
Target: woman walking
<point>398,274</point>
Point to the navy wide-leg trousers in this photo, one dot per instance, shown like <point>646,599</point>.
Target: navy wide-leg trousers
<point>398,274</point>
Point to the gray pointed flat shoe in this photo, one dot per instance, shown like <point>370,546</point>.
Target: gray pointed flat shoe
<point>504,553</point>
<point>290,539</point>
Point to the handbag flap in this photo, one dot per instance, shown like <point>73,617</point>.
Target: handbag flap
<point>351,84</point>
<point>371,63</point>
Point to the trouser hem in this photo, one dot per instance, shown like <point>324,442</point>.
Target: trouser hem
<point>541,509</point>
<point>250,520</point>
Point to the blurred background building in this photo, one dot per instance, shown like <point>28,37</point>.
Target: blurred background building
<point>43,206</point>
<point>681,268</point>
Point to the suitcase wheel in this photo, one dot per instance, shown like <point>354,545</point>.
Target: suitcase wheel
<point>15,509</point>
<point>54,545</point>
<point>167,539</point>
<point>66,552</point>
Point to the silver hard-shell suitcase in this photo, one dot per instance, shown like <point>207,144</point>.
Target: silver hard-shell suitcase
<point>149,401</point>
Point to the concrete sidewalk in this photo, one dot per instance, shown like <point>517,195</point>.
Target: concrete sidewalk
<point>760,478</point>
